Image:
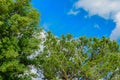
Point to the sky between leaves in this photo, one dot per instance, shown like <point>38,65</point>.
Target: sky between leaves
<point>91,18</point>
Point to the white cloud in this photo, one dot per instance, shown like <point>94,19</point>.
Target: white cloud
<point>72,12</point>
<point>116,32</point>
<point>108,9</point>
<point>103,8</point>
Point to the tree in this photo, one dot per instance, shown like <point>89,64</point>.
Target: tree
<point>59,58</point>
<point>104,59</point>
<point>18,29</point>
<point>87,58</point>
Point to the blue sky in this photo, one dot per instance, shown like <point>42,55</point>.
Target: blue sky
<point>74,17</point>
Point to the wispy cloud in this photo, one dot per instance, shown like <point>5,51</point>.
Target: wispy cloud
<point>72,12</point>
<point>86,16</point>
<point>96,26</point>
<point>108,9</point>
<point>46,26</point>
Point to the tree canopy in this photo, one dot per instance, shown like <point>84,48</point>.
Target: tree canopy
<point>18,25</point>
<point>86,58</point>
<point>63,58</point>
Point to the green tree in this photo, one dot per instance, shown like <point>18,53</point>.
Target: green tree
<point>88,58</point>
<point>18,39</point>
<point>59,58</point>
<point>104,59</point>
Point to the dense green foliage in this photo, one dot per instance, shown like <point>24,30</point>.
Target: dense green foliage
<point>18,25</point>
<point>88,58</point>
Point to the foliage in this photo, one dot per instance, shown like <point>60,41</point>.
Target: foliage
<point>62,58</point>
<point>18,25</point>
<point>87,58</point>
